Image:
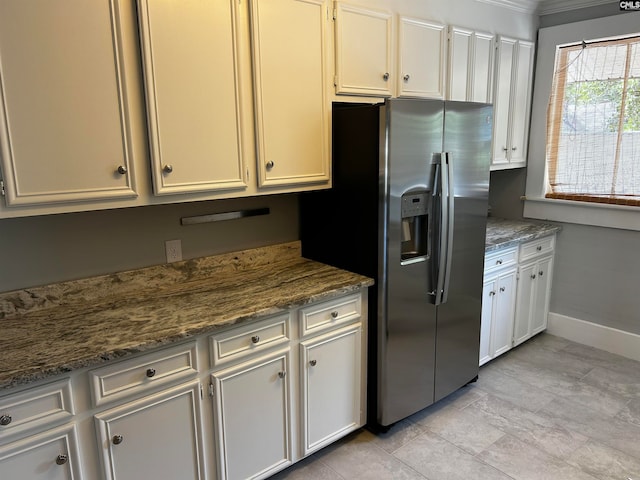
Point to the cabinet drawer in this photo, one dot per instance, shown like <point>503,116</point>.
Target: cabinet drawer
<point>322,316</point>
<point>34,408</point>
<point>144,373</point>
<point>500,259</point>
<point>239,342</point>
<point>534,248</point>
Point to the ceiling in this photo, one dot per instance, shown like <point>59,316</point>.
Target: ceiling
<point>545,7</point>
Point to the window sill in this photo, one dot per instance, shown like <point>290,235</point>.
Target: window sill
<point>584,213</point>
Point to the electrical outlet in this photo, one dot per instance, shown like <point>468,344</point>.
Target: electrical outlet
<point>173,249</point>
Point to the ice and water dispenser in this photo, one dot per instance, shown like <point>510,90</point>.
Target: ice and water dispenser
<point>415,241</point>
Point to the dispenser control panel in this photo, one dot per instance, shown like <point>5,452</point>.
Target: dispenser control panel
<point>415,204</point>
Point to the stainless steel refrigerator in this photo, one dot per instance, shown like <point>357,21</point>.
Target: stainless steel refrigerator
<point>408,207</point>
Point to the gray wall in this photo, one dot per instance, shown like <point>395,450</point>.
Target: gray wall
<point>53,248</point>
<point>598,11</point>
<point>597,276</point>
<point>506,188</point>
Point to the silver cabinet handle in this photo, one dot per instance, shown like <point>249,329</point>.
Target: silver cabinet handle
<point>117,439</point>
<point>406,77</point>
<point>122,169</point>
<point>498,262</point>
<point>385,76</point>
<point>5,420</point>
<point>533,276</point>
<point>313,363</point>
<point>282,374</point>
<point>167,169</point>
<point>334,314</point>
<point>270,164</point>
<point>151,372</point>
<point>505,149</point>
<point>502,289</point>
<point>61,459</point>
<point>255,339</point>
<point>492,293</point>
<point>539,247</point>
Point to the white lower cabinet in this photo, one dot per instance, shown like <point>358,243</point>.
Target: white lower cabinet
<point>498,306</point>
<point>331,370</point>
<point>280,387</point>
<point>158,436</point>
<point>534,289</point>
<point>52,455</point>
<point>252,411</point>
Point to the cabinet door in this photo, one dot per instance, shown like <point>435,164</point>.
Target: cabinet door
<point>64,134</point>
<point>460,51</point>
<point>363,51</point>
<point>502,337</point>
<point>482,67</point>
<point>422,58</point>
<point>489,290</point>
<point>521,95</point>
<point>52,455</point>
<point>193,96</point>
<point>251,409</point>
<point>155,437</point>
<point>524,303</point>
<point>540,311</point>
<point>502,100</point>
<point>291,98</point>
<point>331,372</point>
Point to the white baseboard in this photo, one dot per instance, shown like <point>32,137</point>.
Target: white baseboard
<point>605,338</point>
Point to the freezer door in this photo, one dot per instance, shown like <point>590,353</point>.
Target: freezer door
<point>467,144</point>
<point>411,133</point>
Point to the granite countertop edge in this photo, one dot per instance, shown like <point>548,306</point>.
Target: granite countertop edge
<point>504,233</point>
<point>57,329</point>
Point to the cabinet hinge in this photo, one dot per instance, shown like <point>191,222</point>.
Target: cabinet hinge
<point>201,393</point>
<point>335,10</point>
<point>247,174</point>
<point>211,389</point>
<point>2,192</point>
<point>335,81</point>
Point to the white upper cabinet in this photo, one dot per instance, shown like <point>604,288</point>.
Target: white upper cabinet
<point>364,51</point>
<point>64,133</point>
<point>422,47</point>
<point>512,101</point>
<point>189,51</point>
<point>289,39</point>
<point>470,65</point>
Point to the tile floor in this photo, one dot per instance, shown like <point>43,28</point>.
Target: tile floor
<point>548,409</point>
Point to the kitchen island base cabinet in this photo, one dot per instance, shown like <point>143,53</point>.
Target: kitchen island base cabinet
<point>52,455</point>
<point>331,371</point>
<point>252,410</point>
<point>155,437</point>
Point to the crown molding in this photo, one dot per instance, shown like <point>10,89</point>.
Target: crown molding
<point>548,7</point>
<point>544,7</point>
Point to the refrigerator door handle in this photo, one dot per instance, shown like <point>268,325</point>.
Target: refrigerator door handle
<point>443,230</point>
<point>450,198</point>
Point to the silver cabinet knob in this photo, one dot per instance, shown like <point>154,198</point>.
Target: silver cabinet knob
<point>385,76</point>
<point>540,273</point>
<point>117,439</point>
<point>533,276</point>
<point>167,168</point>
<point>502,289</point>
<point>406,77</point>
<point>498,262</point>
<point>514,148</point>
<point>505,149</point>
<point>270,164</point>
<point>539,247</point>
<point>255,339</point>
<point>492,293</point>
<point>282,374</point>
<point>151,372</point>
<point>61,459</point>
<point>313,363</point>
<point>334,314</point>
<point>5,420</point>
<point>122,169</point>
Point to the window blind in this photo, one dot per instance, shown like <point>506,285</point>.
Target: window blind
<point>593,123</point>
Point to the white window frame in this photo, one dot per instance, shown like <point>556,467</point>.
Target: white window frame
<point>535,205</point>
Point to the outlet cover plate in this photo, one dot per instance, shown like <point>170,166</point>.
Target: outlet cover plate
<point>173,250</point>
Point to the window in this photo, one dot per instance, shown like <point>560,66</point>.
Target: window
<point>593,123</point>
